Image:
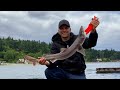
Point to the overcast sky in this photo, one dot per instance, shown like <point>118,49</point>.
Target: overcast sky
<point>42,25</point>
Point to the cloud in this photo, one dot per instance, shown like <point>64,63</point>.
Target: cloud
<point>42,25</point>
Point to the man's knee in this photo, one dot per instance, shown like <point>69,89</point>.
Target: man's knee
<point>47,71</point>
<point>54,73</point>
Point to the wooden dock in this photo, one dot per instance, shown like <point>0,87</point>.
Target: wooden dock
<point>107,70</point>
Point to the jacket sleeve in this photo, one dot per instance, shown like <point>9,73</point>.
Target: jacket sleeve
<point>54,50</point>
<point>91,41</point>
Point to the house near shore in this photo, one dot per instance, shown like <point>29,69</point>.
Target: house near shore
<point>99,60</point>
<point>24,61</point>
<point>2,62</point>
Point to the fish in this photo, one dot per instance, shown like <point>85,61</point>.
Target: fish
<point>66,53</point>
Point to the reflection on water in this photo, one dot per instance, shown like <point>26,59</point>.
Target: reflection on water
<point>28,71</point>
<point>91,70</point>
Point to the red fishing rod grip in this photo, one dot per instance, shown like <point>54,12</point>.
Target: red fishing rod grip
<point>89,28</point>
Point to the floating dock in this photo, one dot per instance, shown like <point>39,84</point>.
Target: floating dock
<point>107,70</point>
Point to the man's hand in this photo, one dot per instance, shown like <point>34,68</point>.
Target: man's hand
<point>43,61</point>
<point>95,22</point>
<point>92,26</point>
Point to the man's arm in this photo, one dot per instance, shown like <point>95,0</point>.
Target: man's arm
<point>43,61</point>
<point>91,41</point>
<point>54,50</point>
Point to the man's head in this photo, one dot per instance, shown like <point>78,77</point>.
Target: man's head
<point>64,29</point>
<point>64,22</point>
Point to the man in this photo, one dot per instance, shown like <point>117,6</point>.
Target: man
<point>74,66</point>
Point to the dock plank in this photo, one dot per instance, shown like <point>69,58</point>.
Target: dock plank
<point>107,70</point>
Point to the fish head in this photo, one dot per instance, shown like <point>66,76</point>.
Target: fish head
<point>82,35</point>
<point>81,32</point>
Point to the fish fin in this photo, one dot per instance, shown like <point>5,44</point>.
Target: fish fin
<point>34,63</point>
<point>53,60</point>
<point>81,50</point>
<point>67,46</point>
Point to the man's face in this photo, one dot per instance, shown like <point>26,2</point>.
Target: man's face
<point>64,31</point>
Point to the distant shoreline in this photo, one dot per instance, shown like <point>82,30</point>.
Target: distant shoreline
<point>13,64</point>
<point>2,64</point>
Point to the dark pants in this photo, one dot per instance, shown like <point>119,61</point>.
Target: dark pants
<point>58,73</point>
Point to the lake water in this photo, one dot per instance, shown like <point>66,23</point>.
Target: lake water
<point>28,71</point>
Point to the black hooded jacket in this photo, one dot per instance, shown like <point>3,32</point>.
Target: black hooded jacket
<point>75,63</point>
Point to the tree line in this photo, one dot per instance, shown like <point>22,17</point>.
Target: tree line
<point>12,50</point>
